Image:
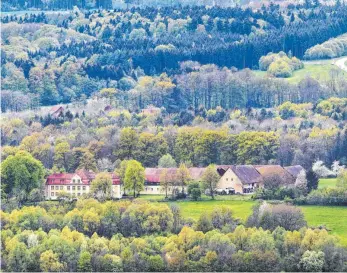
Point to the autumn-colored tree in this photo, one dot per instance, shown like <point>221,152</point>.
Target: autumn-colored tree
<point>183,176</point>
<point>101,186</point>
<point>49,262</point>
<point>210,179</point>
<point>134,177</point>
<point>128,143</point>
<point>21,172</point>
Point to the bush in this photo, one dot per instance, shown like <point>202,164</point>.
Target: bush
<point>280,65</point>
<point>325,197</point>
<point>272,216</point>
<point>194,190</point>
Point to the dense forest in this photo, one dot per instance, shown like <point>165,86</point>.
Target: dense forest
<point>138,84</point>
<point>51,58</point>
<point>141,236</point>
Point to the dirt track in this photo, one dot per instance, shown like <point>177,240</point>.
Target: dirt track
<point>341,63</point>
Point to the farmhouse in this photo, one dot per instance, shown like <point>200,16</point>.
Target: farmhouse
<point>294,170</point>
<point>154,175</point>
<point>76,184</point>
<point>56,111</point>
<point>240,179</point>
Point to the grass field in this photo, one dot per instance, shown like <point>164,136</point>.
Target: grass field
<point>332,217</point>
<point>327,183</point>
<point>319,71</point>
<point>240,208</point>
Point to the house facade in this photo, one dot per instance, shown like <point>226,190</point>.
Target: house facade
<point>240,179</point>
<point>76,184</point>
<point>153,177</point>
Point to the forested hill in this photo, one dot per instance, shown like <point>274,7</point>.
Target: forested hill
<point>58,57</point>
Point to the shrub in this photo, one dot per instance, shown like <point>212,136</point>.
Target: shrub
<point>272,216</point>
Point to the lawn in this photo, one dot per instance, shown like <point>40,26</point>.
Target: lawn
<point>240,208</point>
<point>334,218</point>
<point>327,183</point>
<point>319,71</point>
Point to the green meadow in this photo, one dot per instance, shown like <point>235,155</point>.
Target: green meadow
<point>327,183</point>
<point>320,71</point>
<point>332,217</point>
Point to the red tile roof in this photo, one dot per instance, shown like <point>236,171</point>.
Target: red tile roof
<point>86,176</point>
<point>153,174</point>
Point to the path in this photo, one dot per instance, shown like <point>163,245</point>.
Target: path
<point>341,63</point>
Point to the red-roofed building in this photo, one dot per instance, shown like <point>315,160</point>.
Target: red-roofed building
<point>233,179</point>
<point>76,184</point>
<point>56,111</point>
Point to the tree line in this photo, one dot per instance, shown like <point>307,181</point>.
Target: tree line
<point>114,53</point>
<point>141,236</point>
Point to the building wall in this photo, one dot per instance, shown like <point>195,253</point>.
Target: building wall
<point>116,191</point>
<point>230,180</point>
<point>157,189</point>
<point>76,190</point>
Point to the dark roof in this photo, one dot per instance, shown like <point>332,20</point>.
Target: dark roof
<point>221,169</point>
<point>247,174</point>
<point>294,170</point>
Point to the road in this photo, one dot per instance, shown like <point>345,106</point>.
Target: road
<point>341,63</point>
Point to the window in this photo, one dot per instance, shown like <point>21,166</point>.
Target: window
<point>79,187</point>
<point>73,188</point>
<point>68,188</point>
<point>158,189</point>
<point>226,179</point>
<point>152,189</point>
<point>57,187</point>
<point>79,194</point>
<point>61,187</point>
<point>52,193</point>
<point>73,180</point>
<point>52,187</point>
<point>79,180</point>
<point>84,188</point>
<point>145,189</point>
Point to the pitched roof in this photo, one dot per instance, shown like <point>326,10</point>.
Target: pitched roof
<point>221,169</point>
<point>86,176</point>
<point>153,174</point>
<point>247,174</point>
<point>271,170</point>
<point>294,170</point>
<point>56,108</point>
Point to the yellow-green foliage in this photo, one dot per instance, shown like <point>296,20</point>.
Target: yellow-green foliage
<point>328,107</point>
<point>280,65</point>
<point>289,110</point>
<point>323,133</point>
